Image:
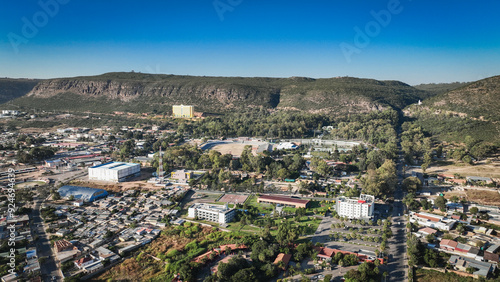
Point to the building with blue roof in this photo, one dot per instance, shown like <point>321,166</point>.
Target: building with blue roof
<point>114,171</point>
<point>82,193</point>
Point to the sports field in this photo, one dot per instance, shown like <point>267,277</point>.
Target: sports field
<point>233,198</point>
<point>234,149</point>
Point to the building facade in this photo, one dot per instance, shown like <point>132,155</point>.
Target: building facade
<point>214,213</point>
<point>361,208</point>
<point>114,171</point>
<point>182,111</point>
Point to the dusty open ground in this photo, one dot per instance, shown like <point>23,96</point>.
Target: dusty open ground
<point>483,196</point>
<point>480,169</point>
<point>234,149</point>
<point>233,198</point>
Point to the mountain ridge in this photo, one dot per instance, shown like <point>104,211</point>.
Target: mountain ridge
<point>137,92</point>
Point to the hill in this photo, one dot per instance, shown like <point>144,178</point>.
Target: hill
<point>137,92</point>
<point>471,109</point>
<point>440,88</point>
<point>11,89</point>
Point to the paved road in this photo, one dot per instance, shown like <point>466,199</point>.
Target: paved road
<point>49,268</point>
<point>398,264</point>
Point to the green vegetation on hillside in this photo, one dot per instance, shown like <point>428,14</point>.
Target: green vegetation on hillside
<point>13,88</point>
<point>136,92</point>
<point>440,88</point>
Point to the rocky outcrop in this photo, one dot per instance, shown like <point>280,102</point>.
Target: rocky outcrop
<point>148,92</point>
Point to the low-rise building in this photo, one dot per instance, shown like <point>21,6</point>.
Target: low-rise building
<point>462,263</point>
<point>282,200</point>
<point>432,220</point>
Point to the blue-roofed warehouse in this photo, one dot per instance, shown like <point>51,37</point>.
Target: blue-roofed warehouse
<point>83,193</point>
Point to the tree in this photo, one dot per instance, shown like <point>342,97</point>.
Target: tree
<point>56,196</point>
<point>430,238</point>
<point>473,210</point>
<point>440,202</point>
<point>467,159</point>
<point>286,234</point>
<point>412,184</point>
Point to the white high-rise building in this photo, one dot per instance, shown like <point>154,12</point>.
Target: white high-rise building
<point>361,208</point>
<point>214,213</point>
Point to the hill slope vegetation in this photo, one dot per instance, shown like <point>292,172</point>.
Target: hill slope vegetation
<point>468,110</point>
<point>137,92</point>
<point>13,88</point>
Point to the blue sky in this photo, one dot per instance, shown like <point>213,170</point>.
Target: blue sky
<point>412,41</point>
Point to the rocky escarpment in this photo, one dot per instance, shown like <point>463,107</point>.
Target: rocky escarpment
<point>138,92</point>
<point>202,94</point>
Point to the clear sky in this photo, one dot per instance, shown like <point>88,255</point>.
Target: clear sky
<point>413,41</point>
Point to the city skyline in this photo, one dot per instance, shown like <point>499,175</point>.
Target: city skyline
<point>411,41</point>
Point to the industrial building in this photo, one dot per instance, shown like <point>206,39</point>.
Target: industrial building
<point>214,213</point>
<point>361,208</point>
<point>114,171</point>
<point>182,111</point>
<point>82,193</point>
<point>285,201</point>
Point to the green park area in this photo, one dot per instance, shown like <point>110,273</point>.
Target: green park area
<point>253,217</point>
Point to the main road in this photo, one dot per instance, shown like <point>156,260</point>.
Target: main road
<point>398,264</point>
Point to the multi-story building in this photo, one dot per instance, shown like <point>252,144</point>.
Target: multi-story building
<point>214,213</point>
<point>361,208</point>
<point>182,111</point>
<point>114,171</point>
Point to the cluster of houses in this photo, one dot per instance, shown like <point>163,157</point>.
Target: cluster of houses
<point>121,223</point>
<point>478,253</point>
<point>22,238</point>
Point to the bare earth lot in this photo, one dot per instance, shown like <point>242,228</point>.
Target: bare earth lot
<point>230,148</point>
<point>480,169</point>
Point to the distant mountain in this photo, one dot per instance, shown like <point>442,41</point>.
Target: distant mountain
<point>137,92</point>
<point>11,88</point>
<point>472,109</point>
<point>440,88</point>
<point>480,99</point>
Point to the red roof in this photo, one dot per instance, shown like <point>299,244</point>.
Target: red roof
<point>427,217</point>
<point>427,230</point>
<point>448,243</point>
<point>285,258</point>
<point>83,260</point>
<point>283,199</point>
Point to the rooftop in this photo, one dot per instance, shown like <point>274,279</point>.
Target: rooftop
<point>283,199</point>
<point>115,165</point>
<point>214,208</point>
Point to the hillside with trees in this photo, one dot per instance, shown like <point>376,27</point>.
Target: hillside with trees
<point>468,110</point>
<point>11,89</point>
<point>137,92</point>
